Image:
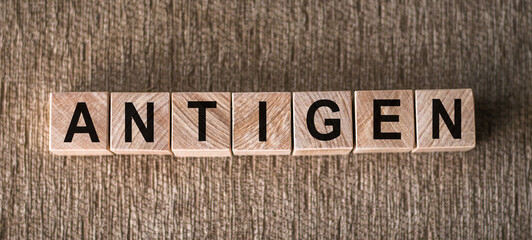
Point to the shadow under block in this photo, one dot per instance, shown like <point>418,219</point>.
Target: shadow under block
<point>330,131</point>
<point>140,123</point>
<point>79,123</point>
<point>384,121</point>
<point>440,126</point>
<point>201,124</point>
<point>261,123</point>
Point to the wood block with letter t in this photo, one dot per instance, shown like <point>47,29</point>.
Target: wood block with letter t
<point>201,124</point>
<point>79,123</point>
<point>445,120</point>
<point>140,123</point>
<point>261,123</point>
<point>384,121</point>
<point>322,123</point>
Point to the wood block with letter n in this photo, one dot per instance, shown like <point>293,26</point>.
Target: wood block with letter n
<point>201,124</point>
<point>384,121</point>
<point>322,123</point>
<point>79,123</point>
<point>140,123</point>
<point>261,123</point>
<point>445,120</point>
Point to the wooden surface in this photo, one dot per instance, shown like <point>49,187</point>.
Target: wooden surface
<point>426,142</point>
<point>364,123</point>
<point>139,143</point>
<point>267,46</point>
<point>246,124</point>
<point>307,144</point>
<point>185,136</point>
<point>93,121</point>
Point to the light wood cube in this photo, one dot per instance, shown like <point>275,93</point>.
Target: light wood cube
<point>201,124</point>
<point>79,123</point>
<point>445,120</point>
<point>140,123</point>
<point>322,123</point>
<point>261,123</point>
<point>384,121</point>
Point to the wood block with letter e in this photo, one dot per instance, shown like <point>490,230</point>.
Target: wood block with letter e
<point>445,120</point>
<point>261,123</point>
<point>384,121</point>
<point>79,123</point>
<point>322,123</point>
<point>140,123</point>
<point>201,124</point>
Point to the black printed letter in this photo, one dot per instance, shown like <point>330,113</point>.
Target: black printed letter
<point>131,113</point>
<point>262,121</point>
<point>335,123</point>
<point>439,110</point>
<point>378,118</point>
<point>81,108</point>
<point>202,115</point>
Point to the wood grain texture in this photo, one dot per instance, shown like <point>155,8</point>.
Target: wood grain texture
<point>424,120</point>
<point>304,142</point>
<point>185,125</point>
<point>62,108</point>
<point>274,46</point>
<point>364,121</point>
<point>246,114</point>
<point>138,143</point>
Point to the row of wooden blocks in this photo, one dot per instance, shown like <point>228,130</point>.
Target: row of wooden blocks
<point>276,123</point>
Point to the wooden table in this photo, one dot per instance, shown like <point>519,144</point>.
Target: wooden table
<point>48,46</point>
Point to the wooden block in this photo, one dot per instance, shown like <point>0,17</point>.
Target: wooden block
<point>254,134</point>
<point>445,120</point>
<point>79,123</point>
<point>140,123</point>
<point>201,124</point>
<point>322,123</point>
<point>384,121</point>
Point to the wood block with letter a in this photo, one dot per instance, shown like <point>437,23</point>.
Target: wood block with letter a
<point>201,124</point>
<point>322,123</point>
<point>261,123</point>
<point>445,120</point>
<point>79,123</point>
<point>384,121</point>
<point>140,123</point>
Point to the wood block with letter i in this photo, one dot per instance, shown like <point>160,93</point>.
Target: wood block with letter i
<point>79,123</point>
<point>322,123</point>
<point>201,124</point>
<point>384,121</point>
<point>140,123</point>
<point>445,120</point>
<point>261,123</point>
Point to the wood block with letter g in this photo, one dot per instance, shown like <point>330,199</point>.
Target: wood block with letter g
<point>140,123</point>
<point>384,121</point>
<point>201,124</point>
<point>322,123</point>
<point>261,123</point>
<point>79,123</point>
<point>445,120</point>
